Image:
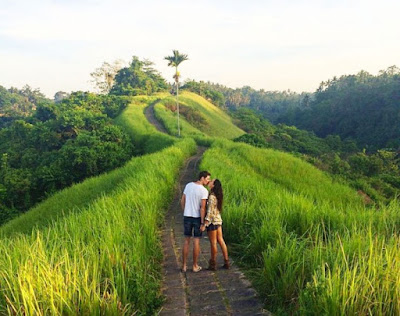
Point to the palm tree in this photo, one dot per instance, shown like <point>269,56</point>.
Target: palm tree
<point>174,61</point>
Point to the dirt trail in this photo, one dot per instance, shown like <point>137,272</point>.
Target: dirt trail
<point>149,113</point>
<point>223,292</point>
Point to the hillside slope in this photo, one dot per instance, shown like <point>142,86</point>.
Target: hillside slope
<point>201,117</point>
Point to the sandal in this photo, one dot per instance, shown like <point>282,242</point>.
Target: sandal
<point>198,269</point>
<point>183,270</point>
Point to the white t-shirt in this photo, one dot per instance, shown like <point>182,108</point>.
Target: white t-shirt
<point>194,194</point>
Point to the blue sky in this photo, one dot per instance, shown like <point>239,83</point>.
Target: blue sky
<point>273,45</point>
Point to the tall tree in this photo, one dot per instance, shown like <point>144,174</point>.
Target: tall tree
<point>103,77</point>
<point>174,61</point>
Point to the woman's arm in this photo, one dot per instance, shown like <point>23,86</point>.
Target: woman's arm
<point>211,208</point>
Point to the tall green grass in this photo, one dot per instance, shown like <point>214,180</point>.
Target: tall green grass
<point>94,248</point>
<point>104,259</point>
<point>310,245</point>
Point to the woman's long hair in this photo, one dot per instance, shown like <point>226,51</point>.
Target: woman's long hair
<point>219,193</point>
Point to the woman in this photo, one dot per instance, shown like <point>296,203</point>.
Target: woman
<point>213,222</point>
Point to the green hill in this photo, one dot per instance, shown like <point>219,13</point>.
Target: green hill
<point>201,117</point>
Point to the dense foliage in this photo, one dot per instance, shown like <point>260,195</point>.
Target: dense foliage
<point>377,174</point>
<point>58,145</point>
<point>362,107</point>
<point>140,78</point>
<point>18,103</point>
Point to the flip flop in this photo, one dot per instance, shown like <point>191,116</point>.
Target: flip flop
<point>197,270</point>
<point>183,270</point>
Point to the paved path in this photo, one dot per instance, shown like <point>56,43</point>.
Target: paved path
<point>224,292</point>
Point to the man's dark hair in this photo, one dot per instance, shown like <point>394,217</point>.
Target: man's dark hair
<point>204,174</point>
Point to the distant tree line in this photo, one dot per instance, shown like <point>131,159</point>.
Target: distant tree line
<point>362,107</point>
<point>18,103</point>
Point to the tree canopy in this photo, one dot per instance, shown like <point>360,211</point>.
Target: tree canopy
<point>139,78</point>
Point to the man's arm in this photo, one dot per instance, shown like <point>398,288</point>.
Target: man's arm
<point>183,202</point>
<point>203,213</point>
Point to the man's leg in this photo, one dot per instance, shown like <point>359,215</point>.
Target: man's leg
<point>196,252</point>
<point>185,251</point>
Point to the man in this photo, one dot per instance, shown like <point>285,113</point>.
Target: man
<point>193,204</point>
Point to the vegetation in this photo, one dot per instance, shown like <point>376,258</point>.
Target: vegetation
<point>310,245</point>
<point>206,117</point>
<point>18,104</point>
<point>104,76</point>
<point>175,61</point>
<point>140,78</point>
<point>376,176</point>
<point>362,107</point>
<point>102,259</point>
<point>144,135</point>
<point>272,104</point>
<point>93,248</point>
<point>58,145</point>
<point>165,114</point>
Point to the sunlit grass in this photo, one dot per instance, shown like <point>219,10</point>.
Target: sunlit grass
<point>169,120</point>
<point>104,259</point>
<point>219,124</point>
<point>144,135</point>
<point>311,246</point>
<point>94,248</point>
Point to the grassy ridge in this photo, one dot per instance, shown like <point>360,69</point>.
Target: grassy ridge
<point>169,120</point>
<point>218,123</point>
<point>144,135</point>
<point>312,247</point>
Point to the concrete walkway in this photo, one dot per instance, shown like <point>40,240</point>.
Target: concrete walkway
<point>223,292</point>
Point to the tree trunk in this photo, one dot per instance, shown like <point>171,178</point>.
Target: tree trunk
<point>177,103</point>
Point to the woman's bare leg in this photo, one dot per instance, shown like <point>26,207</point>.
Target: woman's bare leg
<point>212,236</point>
<point>222,244</point>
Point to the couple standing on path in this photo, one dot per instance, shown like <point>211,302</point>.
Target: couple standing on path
<point>201,211</point>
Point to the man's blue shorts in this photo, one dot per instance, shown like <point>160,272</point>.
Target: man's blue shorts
<point>191,226</point>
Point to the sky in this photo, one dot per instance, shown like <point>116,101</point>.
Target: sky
<point>54,45</point>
